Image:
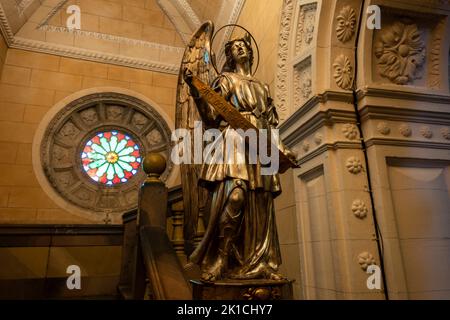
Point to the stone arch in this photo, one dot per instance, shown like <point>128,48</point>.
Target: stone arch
<point>56,151</point>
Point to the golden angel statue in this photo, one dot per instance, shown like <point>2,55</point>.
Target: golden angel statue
<point>241,240</point>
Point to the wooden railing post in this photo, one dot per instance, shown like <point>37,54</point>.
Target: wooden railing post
<point>163,270</point>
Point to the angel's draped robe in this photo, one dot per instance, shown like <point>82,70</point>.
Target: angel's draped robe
<point>257,239</point>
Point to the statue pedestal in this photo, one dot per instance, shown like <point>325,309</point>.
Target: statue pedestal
<point>242,290</point>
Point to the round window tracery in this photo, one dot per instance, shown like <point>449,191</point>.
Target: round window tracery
<point>111,158</point>
<point>83,156</point>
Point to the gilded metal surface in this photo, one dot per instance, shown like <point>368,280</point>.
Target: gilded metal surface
<point>236,120</point>
<point>241,240</point>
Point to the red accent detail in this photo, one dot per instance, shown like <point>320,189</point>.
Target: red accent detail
<point>120,136</point>
<point>103,179</point>
<point>116,179</point>
<point>130,143</point>
<point>87,149</point>
<point>92,172</point>
<point>135,165</point>
<point>136,153</point>
<point>128,174</point>
<point>95,140</point>
<point>107,135</point>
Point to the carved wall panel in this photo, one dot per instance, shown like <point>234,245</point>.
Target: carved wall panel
<point>407,50</point>
<point>306,22</point>
<point>297,40</point>
<point>318,220</point>
<point>283,67</point>
<point>302,82</point>
<point>421,207</point>
<point>69,132</point>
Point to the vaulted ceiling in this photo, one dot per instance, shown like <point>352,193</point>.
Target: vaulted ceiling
<point>149,34</point>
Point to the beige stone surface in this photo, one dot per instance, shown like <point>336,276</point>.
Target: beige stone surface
<point>23,154</point>
<point>55,81</point>
<point>90,82</point>
<point>17,131</point>
<point>23,263</point>
<point>8,151</point>
<point>129,75</point>
<point>260,17</point>
<point>159,94</point>
<point>26,197</point>
<point>12,111</point>
<point>17,215</point>
<point>17,175</point>
<point>34,114</point>
<point>59,216</point>
<point>16,75</point>
<point>26,95</point>
<point>4,194</point>
<point>22,58</point>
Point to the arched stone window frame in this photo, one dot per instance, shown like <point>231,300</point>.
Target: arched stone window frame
<point>71,108</point>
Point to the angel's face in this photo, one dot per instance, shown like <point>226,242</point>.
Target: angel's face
<point>240,52</point>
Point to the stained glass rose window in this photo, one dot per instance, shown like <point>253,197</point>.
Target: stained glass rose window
<point>111,157</point>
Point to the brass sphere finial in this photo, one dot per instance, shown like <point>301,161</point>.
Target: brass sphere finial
<point>154,165</point>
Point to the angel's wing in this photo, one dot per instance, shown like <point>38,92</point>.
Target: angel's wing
<point>198,59</point>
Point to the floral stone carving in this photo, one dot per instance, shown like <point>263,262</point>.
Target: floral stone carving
<point>318,138</point>
<point>354,165</point>
<point>365,259</point>
<point>346,24</point>
<point>343,72</point>
<point>306,146</point>
<point>383,128</point>
<point>401,53</point>
<point>426,132</point>
<point>445,133</point>
<point>350,131</point>
<point>405,130</point>
<point>359,209</point>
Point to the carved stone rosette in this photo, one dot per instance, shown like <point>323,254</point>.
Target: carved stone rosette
<point>346,24</point>
<point>70,129</point>
<point>343,72</point>
<point>401,53</point>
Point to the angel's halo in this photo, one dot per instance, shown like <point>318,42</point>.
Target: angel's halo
<point>239,26</point>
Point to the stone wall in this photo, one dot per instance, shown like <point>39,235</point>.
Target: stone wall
<point>31,83</point>
<point>3,50</point>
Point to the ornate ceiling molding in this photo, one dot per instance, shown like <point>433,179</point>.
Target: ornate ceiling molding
<point>5,28</point>
<point>52,13</point>
<point>91,55</point>
<point>226,15</point>
<point>16,42</point>
<point>189,13</point>
<point>109,37</point>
